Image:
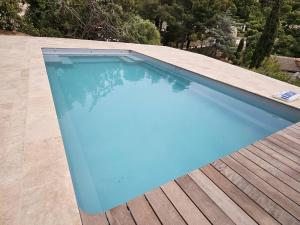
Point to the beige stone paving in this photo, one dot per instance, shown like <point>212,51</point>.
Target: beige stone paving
<point>35,183</point>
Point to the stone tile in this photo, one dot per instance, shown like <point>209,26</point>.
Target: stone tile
<point>5,111</point>
<point>44,162</point>
<point>41,122</point>
<point>52,203</point>
<point>48,150</point>
<point>38,84</point>
<point>7,95</point>
<point>10,203</point>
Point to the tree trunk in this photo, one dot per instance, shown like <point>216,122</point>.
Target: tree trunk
<point>188,44</point>
<point>182,44</point>
<point>157,22</point>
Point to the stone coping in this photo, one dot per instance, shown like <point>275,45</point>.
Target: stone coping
<point>35,182</point>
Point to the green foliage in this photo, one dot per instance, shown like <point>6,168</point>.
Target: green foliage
<point>222,39</point>
<point>9,18</point>
<point>88,19</point>
<point>186,19</point>
<point>244,8</point>
<point>288,42</point>
<point>266,41</point>
<point>203,26</point>
<point>285,45</point>
<point>137,30</point>
<point>271,68</point>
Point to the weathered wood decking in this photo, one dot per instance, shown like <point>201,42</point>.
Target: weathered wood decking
<point>259,184</point>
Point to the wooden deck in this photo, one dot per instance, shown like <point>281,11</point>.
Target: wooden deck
<point>259,184</point>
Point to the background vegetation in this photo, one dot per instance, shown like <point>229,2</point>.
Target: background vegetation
<point>242,32</point>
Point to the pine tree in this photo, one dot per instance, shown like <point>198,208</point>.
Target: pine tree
<point>267,39</point>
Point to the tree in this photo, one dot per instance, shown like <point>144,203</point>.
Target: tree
<point>244,8</point>
<point>89,19</point>
<point>221,38</point>
<point>187,20</point>
<point>86,19</point>
<point>265,43</point>
<point>137,30</point>
<point>288,41</point>
<point>9,18</point>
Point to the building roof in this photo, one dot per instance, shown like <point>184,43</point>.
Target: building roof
<point>288,64</point>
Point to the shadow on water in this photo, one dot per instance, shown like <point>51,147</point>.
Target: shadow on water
<point>88,82</point>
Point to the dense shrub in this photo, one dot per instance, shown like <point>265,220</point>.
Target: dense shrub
<point>9,18</point>
<point>270,68</point>
<point>137,30</point>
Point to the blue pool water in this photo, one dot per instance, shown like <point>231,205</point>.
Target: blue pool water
<point>130,123</point>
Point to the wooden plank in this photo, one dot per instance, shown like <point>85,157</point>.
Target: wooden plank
<point>120,215</point>
<point>296,126</point>
<point>271,192</point>
<point>142,211</point>
<point>214,214</point>
<point>287,141</point>
<point>163,207</point>
<point>271,169</point>
<point>97,219</point>
<point>268,178</point>
<point>184,205</point>
<point>277,156</point>
<point>295,129</point>
<point>293,132</point>
<point>292,173</point>
<point>239,197</point>
<point>281,151</point>
<point>283,145</point>
<point>256,195</point>
<point>286,135</point>
<point>233,211</point>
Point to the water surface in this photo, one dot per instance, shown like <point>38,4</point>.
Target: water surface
<point>129,126</point>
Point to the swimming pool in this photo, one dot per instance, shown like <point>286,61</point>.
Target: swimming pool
<point>131,123</point>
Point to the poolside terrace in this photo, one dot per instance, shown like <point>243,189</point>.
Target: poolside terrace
<point>256,185</point>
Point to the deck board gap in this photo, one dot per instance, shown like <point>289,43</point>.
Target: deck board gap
<point>174,206</point>
<point>152,209</point>
<point>131,214</point>
<point>192,200</point>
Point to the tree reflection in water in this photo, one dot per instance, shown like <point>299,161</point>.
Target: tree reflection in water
<point>84,79</point>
